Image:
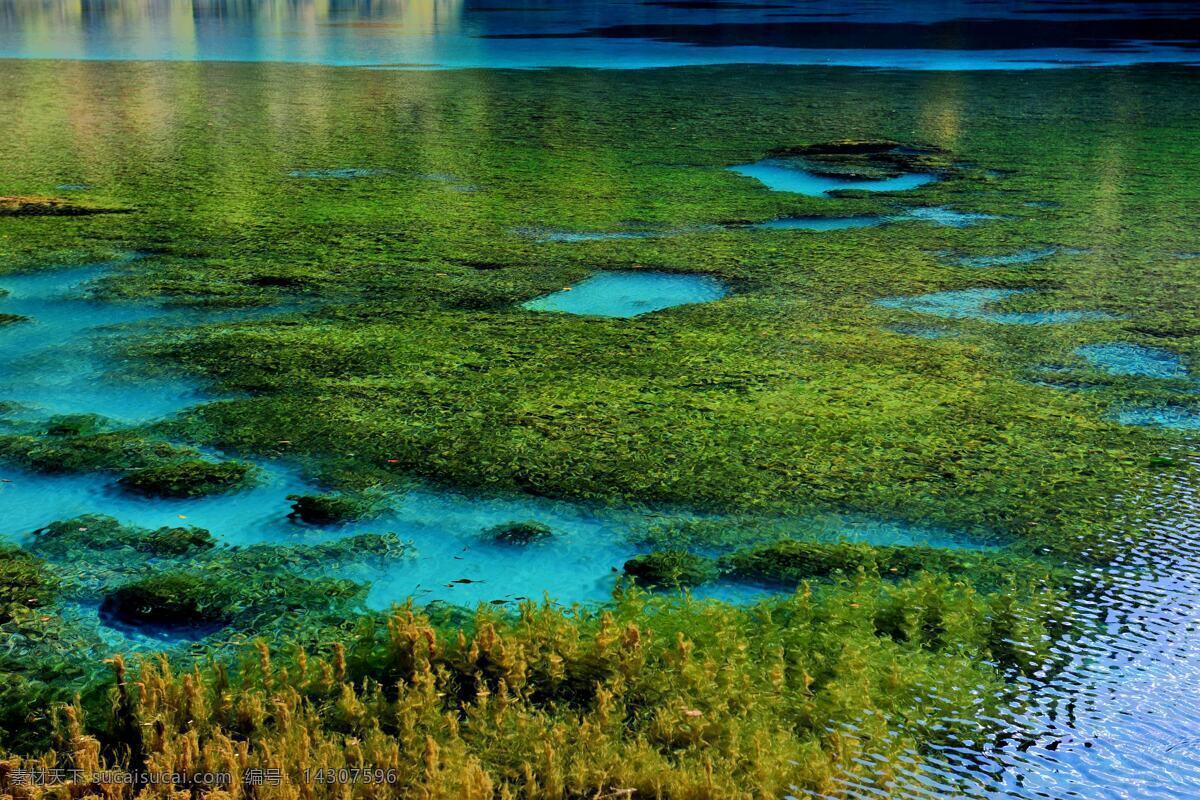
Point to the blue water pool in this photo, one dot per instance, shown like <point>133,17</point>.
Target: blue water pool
<point>819,223</point>
<point>630,293</point>
<point>791,175</point>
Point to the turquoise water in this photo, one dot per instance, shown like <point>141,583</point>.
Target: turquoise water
<point>974,304</point>
<point>1028,256</point>
<point>1170,417</point>
<point>819,223</point>
<point>790,175</point>
<point>630,293</point>
<point>1122,358</point>
<point>946,217</point>
<point>69,339</point>
<point>49,363</point>
<point>338,172</point>
<point>525,34</point>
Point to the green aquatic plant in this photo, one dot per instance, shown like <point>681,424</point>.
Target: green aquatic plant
<point>37,206</point>
<point>192,478</point>
<point>96,532</point>
<point>63,451</point>
<point>670,569</point>
<point>519,532</point>
<point>24,582</point>
<point>173,599</point>
<point>74,425</point>
<point>225,592</point>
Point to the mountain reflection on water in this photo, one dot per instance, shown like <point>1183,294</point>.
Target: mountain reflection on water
<point>424,34</point>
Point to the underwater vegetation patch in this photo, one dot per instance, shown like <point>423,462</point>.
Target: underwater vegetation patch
<point>921,331</point>
<point>336,508</point>
<point>519,532</point>
<point>342,173</point>
<point>35,206</point>
<point>191,478</point>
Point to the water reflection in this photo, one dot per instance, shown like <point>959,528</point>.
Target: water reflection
<point>419,34</point>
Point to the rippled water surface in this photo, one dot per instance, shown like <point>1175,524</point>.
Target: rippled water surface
<point>1121,718</point>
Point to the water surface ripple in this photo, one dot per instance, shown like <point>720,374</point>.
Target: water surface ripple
<point>1121,719</point>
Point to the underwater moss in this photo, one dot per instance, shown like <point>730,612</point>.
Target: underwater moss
<point>177,599</point>
<point>328,509</point>
<point>191,478</point>
<point>74,425</point>
<point>35,206</point>
<point>523,532</point>
<point>23,582</point>
<point>65,452</point>
<point>218,596</point>
<point>670,568</point>
<point>95,532</point>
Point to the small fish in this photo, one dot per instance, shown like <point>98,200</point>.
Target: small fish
<point>466,580</point>
<point>497,602</point>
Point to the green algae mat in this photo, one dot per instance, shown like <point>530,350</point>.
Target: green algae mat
<point>366,235</point>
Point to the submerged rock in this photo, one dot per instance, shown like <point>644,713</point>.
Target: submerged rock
<point>519,532</point>
<point>74,538</point>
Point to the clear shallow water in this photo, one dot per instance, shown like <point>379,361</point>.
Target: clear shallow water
<point>946,217</point>
<point>1170,417</point>
<point>1122,358</point>
<point>784,175</point>
<point>49,362</point>
<point>452,560</point>
<point>1018,258</point>
<point>630,294</point>
<point>975,304</point>
<point>394,34</point>
<point>819,223</point>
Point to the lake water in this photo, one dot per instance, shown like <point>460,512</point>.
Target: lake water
<point>1119,721</point>
<point>396,34</point>
<point>630,294</point>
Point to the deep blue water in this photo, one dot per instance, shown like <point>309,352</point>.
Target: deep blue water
<point>426,34</point>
